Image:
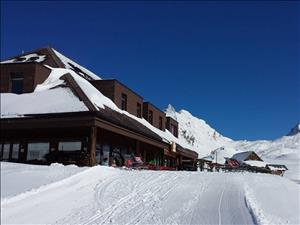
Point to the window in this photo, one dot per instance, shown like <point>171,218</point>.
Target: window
<point>37,151</point>
<point>69,146</point>
<point>15,151</point>
<point>17,83</point>
<point>124,102</point>
<point>151,116</point>
<point>6,148</point>
<point>139,110</point>
<point>160,123</point>
<point>174,130</point>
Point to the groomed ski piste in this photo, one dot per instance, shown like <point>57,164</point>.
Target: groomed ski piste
<point>58,194</point>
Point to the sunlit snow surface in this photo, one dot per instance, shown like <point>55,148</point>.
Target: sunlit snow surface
<point>103,195</point>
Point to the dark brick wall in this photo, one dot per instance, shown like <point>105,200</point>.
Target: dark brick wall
<point>132,98</point>
<point>156,114</point>
<point>33,73</point>
<point>114,90</point>
<point>106,87</point>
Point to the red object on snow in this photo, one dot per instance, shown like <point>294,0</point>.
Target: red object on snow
<point>233,163</point>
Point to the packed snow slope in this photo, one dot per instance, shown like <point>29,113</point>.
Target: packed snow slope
<point>104,195</point>
<point>204,140</point>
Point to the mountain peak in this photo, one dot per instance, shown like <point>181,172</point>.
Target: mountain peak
<point>295,130</point>
<point>171,112</point>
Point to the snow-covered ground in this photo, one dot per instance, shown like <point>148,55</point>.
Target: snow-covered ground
<point>102,195</point>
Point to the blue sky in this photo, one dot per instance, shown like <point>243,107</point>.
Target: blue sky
<point>233,64</point>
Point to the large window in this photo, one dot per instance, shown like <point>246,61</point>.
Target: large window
<point>17,83</point>
<point>124,102</point>
<point>151,116</point>
<point>37,151</point>
<point>160,123</point>
<point>139,110</point>
<point>5,154</point>
<point>15,151</point>
<point>69,146</point>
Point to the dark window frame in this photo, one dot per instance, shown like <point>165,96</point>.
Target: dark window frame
<point>124,101</point>
<point>139,110</point>
<point>160,125</point>
<point>150,117</point>
<point>17,83</point>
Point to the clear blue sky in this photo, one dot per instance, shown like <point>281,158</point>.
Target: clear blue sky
<point>233,64</point>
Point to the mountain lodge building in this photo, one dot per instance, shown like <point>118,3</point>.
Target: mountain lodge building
<point>54,110</point>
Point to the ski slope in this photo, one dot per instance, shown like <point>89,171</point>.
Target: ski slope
<point>103,195</point>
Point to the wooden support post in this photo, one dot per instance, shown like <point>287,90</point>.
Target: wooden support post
<point>92,146</point>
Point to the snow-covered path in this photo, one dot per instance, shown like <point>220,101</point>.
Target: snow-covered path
<point>102,195</point>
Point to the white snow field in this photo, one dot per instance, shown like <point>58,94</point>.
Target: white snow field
<point>103,195</point>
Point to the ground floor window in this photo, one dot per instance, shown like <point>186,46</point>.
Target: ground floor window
<point>105,157</point>
<point>5,153</point>
<point>37,151</point>
<point>69,146</point>
<point>15,151</point>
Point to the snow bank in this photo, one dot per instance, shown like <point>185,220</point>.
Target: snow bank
<point>273,199</point>
<point>19,178</point>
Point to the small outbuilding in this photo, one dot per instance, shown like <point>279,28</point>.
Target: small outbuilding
<point>277,169</point>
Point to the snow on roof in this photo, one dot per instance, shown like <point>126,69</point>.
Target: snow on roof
<point>49,101</point>
<point>255,163</point>
<point>48,98</point>
<point>94,95</point>
<point>34,57</point>
<point>277,167</point>
<point>70,64</point>
<point>241,156</point>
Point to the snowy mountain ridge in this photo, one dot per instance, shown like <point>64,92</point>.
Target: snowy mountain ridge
<point>204,139</point>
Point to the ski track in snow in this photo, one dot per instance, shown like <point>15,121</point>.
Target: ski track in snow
<point>102,195</point>
<point>163,198</point>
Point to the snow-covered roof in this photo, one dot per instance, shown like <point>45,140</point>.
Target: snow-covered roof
<point>50,101</point>
<point>242,156</point>
<point>41,55</point>
<point>255,163</point>
<point>33,57</point>
<point>70,64</point>
<point>275,167</point>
